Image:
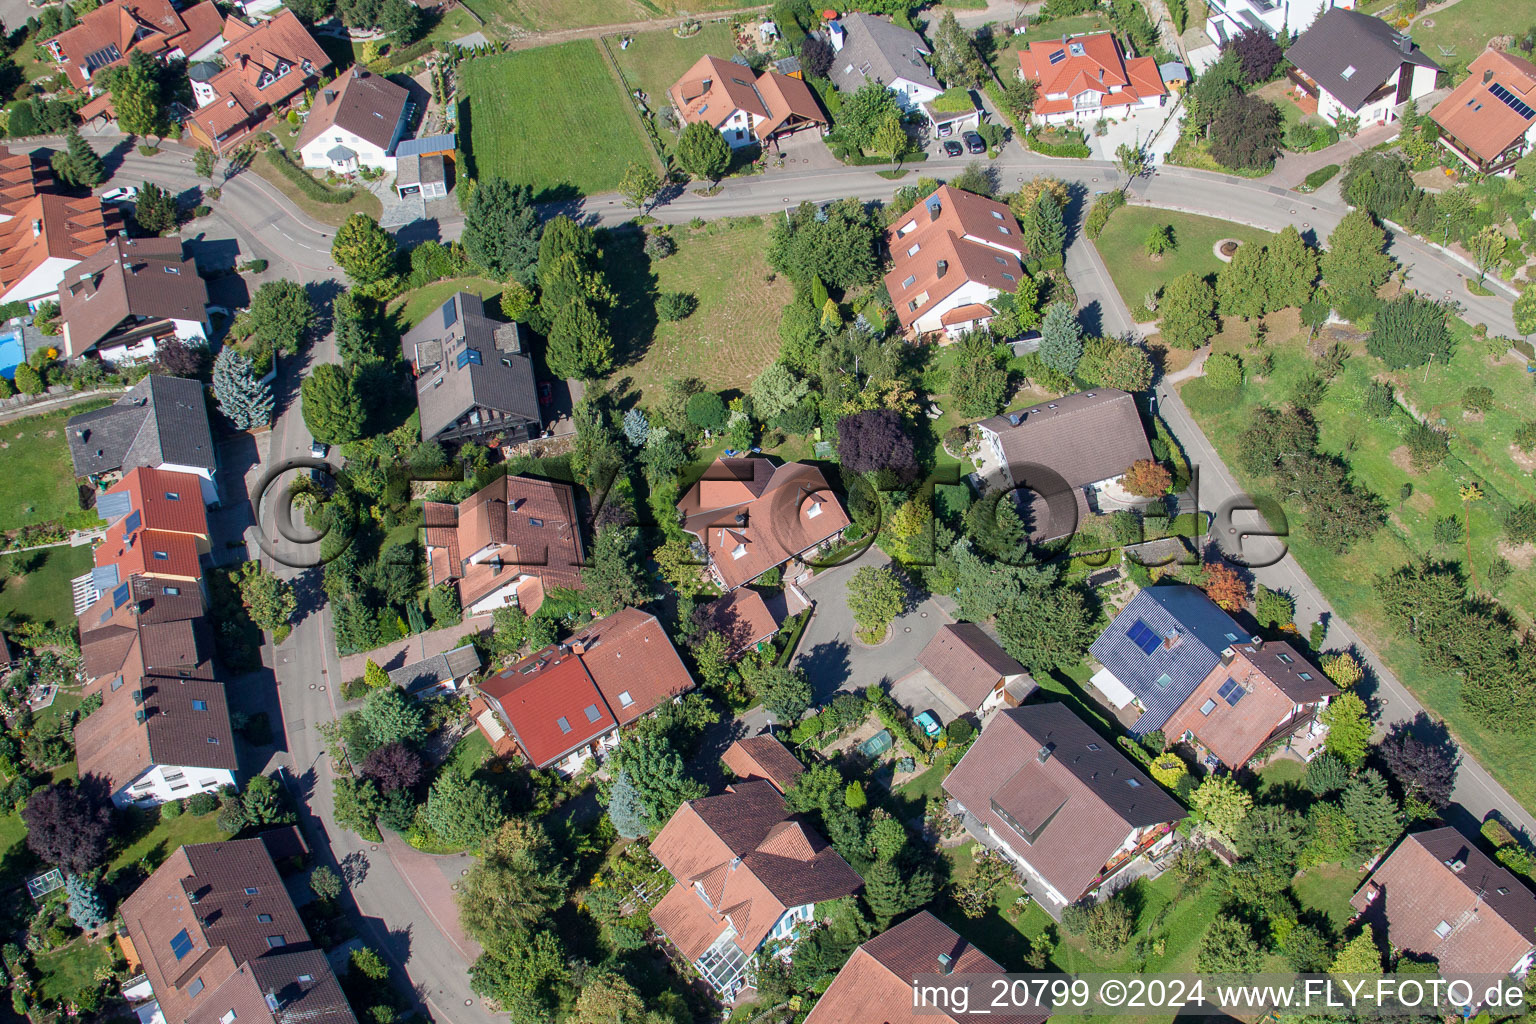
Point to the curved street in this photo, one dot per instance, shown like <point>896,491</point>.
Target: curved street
<point>402,897</point>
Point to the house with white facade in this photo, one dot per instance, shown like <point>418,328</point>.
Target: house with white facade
<point>1066,455</point>
<point>1083,78</point>
<point>355,122</point>
<point>506,544</point>
<point>47,235</point>
<point>969,665</point>
<point>1060,801</point>
<point>1489,120</point>
<point>1359,66</point>
<point>119,303</point>
<point>1227,19</point>
<point>951,256</point>
<point>748,873</point>
<point>748,108</point>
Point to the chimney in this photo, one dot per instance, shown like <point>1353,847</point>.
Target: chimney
<point>946,963</point>
<point>82,434</point>
<point>1488,76</point>
<point>1456,864</point>
<point>1015,418</point>
<point>330,95</point>
<point>37,228</point>
<point>1064,38</point>
<point>1257,641</point>
<point>1405,43</point>
<point>943,267</point>
<point>138,716</point>
<point>1045,753</point>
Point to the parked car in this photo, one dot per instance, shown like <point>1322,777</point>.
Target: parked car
<point>973,142</point>
<point>125,194</point>
<point>928,722</point>
<point>952,148</point>
<point>946,129</point>
<point>546,393</point>
<point>319,449</point>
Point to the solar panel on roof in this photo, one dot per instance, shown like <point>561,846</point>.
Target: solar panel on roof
<point>450,315</point>
<point>468,356</point>
<point>181,944</point>
<point>134,522</point>
<point>1057,56</point>
<point>98,59</point>
<point>1512,101</point>
<point>120,595</point>
<point>1231,692</point>
<point>1142,636</point>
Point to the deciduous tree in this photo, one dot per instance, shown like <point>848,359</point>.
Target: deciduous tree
<point>1242,286</point>
<point>1291,270</point>
<point>1225,587</point>
<point>268,599</point>
<point>875,597</point>
<point>1356,262</point>
<point>1188,312</point>
<point>1147,478</point>
<point>332,409</point>
<point>365,251</point>
<point>68,825</point>
<point>394,766</point>
<point>392,717</point>
<point>651,763</point>
<point>640,185</point>
<point>785,692</point>
<point>462,810</point>
<point>281,314</point>
<point>1223,804</point>
<point>876,441</point>
<point>978,383</point>
<point>1349,727</point>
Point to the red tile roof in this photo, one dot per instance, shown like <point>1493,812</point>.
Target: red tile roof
<point>266,66</point>
<point>742,617</point>
<point>168,500</point>
<point>538,694</point>
<point>969,663</point>
<point>1081,801</point>
<point>514,526</point>
<point>1089,63</point>
<point>1473,919</point>
<point>714,89</point>
<point>949,239</point>
<point>52,226</point>
<point>768,513</point>
<point>21,178</point>
<point>763,757</point>
<point>1270,677</point>
<point>633,663</point>
<point>1476,118</point>
<point>108,35</point>
<point>753,859</point>
<point>875,986</point>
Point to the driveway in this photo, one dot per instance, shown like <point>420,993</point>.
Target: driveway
<point>833,660</point>
<point>920,691</point>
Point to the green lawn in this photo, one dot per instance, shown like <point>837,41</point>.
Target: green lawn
<point>554,118</point>
<point>16,861</point>
<point>326,213</point>
<point>154,838</point>
<point>654,60</point>
<point>1479,452</point>
<point>1282,771</point>
<point>1327,889</point>
<point>34,457</point>
<point>68,972</point>
<point>414,306</point>
<point>1135,273</point>
<point>43,594</point>
<point>1465,29</point>
<point>728,339</point>
<point>469,754</point>
<point>547,15</point>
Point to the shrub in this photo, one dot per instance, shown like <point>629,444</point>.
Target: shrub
<point>1378,402</point>
<point>675,305</point>
<point>1318,178</point>
<point>1427,446</point>
<point>659,246</point>
<point>1478,398</point>
<point>201,803</point>
<point>1224,371</point>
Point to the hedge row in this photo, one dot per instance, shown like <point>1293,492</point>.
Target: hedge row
<point>313,188</point>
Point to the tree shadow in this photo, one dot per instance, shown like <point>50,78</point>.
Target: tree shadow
<point>629,271</point>
<point>826,668</point>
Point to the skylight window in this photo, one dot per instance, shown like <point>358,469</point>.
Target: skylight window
<point>274,941</point>
<point>916,247</point>
<point>592,713</point>
<point>1285,658</point>
<point>1305,675</point>
<point>1208,706</point>
<point>196,988</point>
<point>172,496</point>
<point>264,918</point>
<point>1133,783</point>
<point>910,281</point>
<point>162,556</point>
<point>625,700</point>
<point>996,215</point>
<point>199,705</point>
<point>1164,681</point>
<point>1443,929</point>
<point>1347,73</point>
<point>563,723</point>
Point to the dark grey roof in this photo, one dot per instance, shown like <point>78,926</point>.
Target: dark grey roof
<point>203,70</point>
<point>454,664</point>
<point>1339,40</point>
<point>465,362</point>
<point>159,420</point>
<point>425,144</point>
<point>1190,633</point>
<point>339,154</point>
<point>876,50</point>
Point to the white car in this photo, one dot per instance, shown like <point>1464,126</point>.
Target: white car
<point>319,449</point>
<point>125,194</point>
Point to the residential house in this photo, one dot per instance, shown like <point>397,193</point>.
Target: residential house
<point>876,982</point>
<point>1359,66</point>
<point>951,257</point>
<point>1225,20</point>
<point>867,48</point>
<point>163,730</point>
<point>22,177</point>
<point>1489,120</point>
<point>748,872</point>
<point>157,527</point>
<point>1068,455</point>
<point>46,236</point>
<point>743,618</point>
<point>421,166</point>
<point>109,35</point>
<point>751,515</point>
<point>1260,693</point>
<point>220,940</point>
<point>438,675</point>
<point>747,107</point>
<point>506,544</point>
<point>763,757</point>
<point>1060,801</point>
<point>972,667</point>
<point>1084,78</point>
<point>474,375</point>
<point>1194,673</point>
<point>566,703</point>
<point>1437,895</point>
<point>355,122</point>
<point>118,304</point>
<point>266,66</point>
<point>159,423</point>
